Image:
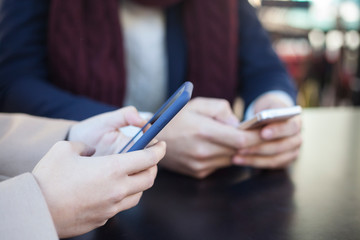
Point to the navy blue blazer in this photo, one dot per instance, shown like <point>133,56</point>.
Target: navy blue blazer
<point>24,80</point>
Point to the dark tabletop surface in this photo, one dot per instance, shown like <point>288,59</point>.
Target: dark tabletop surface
<point>317,198</point>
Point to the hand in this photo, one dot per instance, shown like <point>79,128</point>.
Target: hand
<point>201,138</point>
<point>82,193</point>
<point>102,131</point>
<point>278,143</point>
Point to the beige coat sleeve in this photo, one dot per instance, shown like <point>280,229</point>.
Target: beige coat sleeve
<point>23,210</point>
<point>25,139</point>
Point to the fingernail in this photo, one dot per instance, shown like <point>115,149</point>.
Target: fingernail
<point>267,133</point>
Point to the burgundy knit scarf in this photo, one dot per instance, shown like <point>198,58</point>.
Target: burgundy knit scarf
<point>86,54</point>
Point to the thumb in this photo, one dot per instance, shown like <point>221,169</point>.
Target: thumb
<point>124,117</point>
<point>269,101</point>
<point>218,109</point>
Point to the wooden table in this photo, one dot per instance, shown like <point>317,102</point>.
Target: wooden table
<point>317,198</point>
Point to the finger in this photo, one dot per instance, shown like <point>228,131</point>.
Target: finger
<point>282,129</point>
<point>133,117</point>
<point>126,203</point>
<point>274,147</point>
<point>207,150</point>
<point>227,135</point>
<point>111,143</point>
<point>202,169</point>
<point>218,109</point>
<point>271,100</point>
<point>123,117</point>
<point>142,181</point>
<point>152,142</point>
<point>273,162</point>
<point>138,161</point>
<point>77,148</point>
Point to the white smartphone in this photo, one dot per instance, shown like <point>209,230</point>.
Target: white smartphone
<point>268,116</point>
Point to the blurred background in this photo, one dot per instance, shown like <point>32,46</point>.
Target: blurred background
<point>318,40</point>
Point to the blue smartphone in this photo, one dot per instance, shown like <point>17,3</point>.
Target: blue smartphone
<point>162,117</point>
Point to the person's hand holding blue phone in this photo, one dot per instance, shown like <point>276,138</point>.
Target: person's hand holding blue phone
<point>162,117</point>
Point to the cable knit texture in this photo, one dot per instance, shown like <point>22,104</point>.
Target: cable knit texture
<point>86,54</point>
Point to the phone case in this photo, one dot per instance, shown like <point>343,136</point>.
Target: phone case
<point>161,118</point>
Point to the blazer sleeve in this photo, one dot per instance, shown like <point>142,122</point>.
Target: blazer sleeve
<point>25,139</point>
<point>24,82</point>
<point>260,69</point>
<point>23,210</point>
